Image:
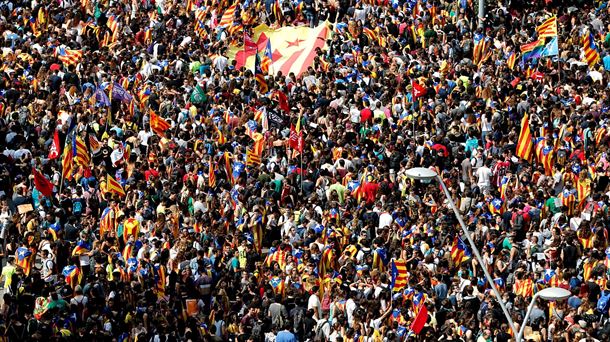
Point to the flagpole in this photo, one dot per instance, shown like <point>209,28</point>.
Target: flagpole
<point>61,183</point>
<point>149,130</point>
<point>558,58</point>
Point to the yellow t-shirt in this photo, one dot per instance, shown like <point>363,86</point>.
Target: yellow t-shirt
<point>7,274</point>
<point>241,256</point>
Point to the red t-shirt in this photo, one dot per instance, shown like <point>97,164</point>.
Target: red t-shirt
<point>370,192</point>
<point>365,115</point>
<point>437,147</point>
<point>151,172</point>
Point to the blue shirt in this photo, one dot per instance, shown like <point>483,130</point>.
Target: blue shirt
<point>574,302</point>
<point>441,290</point>
<point>606,61</point>
<point>285,336</point>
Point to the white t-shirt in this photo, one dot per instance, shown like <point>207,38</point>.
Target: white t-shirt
<point>79,299</point>
<point>84,260</point>
<point>385,220</point>
<point>350,307</point>
<point>484,175</point>
<point>354,115</point>
<point>314,301</point>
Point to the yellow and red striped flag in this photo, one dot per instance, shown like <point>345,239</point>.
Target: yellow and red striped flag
<point>260,76</point>
<point>221,140</point>
<point>107,221</point>
<point>590,49</point>
<point>293,47</point>
<point>584,189</point>
<point>371,35</point>
<point>69,56</point>
<point>259,144</point>
<point>229,168</point>
<point>510,61</point>
<point>525,143</point>
<point>600,134</point>
<point>548,28</point>
<point>276,8</point>
<point>67,162</point>
<point>235,28</point>
<point>113,186</point>
<point>190,6</point>
<point>252,159</point>
<point>267,58</point>
<point>83,158</point>
<point>158,124</point>
<point>212,175</point>
<point>227,18</point>
<point>200,28</point>
<point>113,25</point>
<point>400,275</point>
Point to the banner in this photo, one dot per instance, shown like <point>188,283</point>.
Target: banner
<point>294,47</point>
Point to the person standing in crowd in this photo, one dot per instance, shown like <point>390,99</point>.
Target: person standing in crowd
<point>178,171</point>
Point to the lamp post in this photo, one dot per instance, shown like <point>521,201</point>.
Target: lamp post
<point>550,294</point>
<point>428,174</point>
<point>481,12</point>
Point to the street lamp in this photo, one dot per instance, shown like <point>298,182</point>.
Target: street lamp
<point>481,12</point>
<point>550,294</point>
<point>428,174</point>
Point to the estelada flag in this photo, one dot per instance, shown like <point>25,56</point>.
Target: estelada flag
<point>42,183</point>
<point>131,227</point>
<point>293,47</point>
<point>24,256</point>
<point>54,149</point>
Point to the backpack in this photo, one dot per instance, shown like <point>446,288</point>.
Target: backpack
<point>93,204</point>
<point>326,302</point>
<point>53,267</point>
<point>604,302</point>
<point>278,321</point>
<point>298,320</point>
<point>320,332</point>
<point>81,310</point>
<point>257,330</point>
<point>77,206</point>
<point>518,221</point>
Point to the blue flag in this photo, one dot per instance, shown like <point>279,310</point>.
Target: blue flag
<point>119,93</point>
<point>101,97</point>
<point>551,49</point>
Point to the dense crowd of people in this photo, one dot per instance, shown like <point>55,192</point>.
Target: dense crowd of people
<point>153,189</point>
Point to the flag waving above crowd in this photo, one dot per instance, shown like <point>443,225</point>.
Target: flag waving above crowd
<point>305,170</point>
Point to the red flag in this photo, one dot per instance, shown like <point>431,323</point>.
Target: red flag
<point>420,320</point>
<point>283,100</point>
<point>537,75</point>
<point>300,142</point>
<point>42,183</point>
<point>418,90</point>
<point>54,149</point>
<point>296,139</point>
